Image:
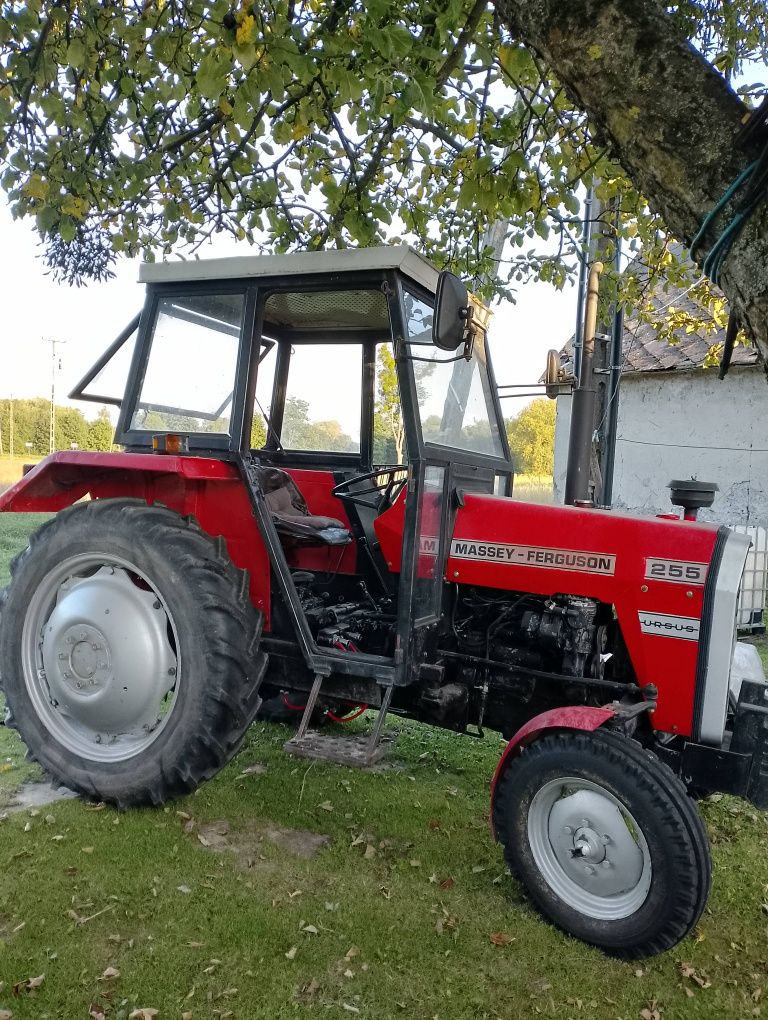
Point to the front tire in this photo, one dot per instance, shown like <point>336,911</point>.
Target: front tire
<point>605,840</point>
<point>129,652</point>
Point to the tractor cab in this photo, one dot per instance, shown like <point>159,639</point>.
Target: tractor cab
<point>356,390</point>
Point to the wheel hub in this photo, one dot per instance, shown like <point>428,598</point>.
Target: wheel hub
<point>83,659</point>
<point>106,656</point>
<point>588,848</point>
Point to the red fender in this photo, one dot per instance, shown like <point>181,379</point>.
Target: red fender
<point>572,717</point>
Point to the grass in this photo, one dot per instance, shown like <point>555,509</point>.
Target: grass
<point>393,918</point>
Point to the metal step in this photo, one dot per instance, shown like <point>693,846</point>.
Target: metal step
<point>353,751</point>
<point>359,751</point>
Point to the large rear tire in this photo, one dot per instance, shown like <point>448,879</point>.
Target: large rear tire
<point>129,652</point>
<point>606,841</point>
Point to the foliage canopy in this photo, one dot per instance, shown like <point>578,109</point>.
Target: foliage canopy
<point>134,127</point>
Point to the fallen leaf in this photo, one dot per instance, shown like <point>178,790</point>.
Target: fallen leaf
<point>348,1008</point>
<point>257,769</point>
<point>109,974</point>
<point>326,806</point>
<point>309,929</point>
<point>447,883</point>
<point>95,1013</point>
<point>186,1015</point>
<point>477,868</point>
<point>145,1013</point>
<point>29,985</point>
<point>650,1012</point>
<point>291,954</point>
<point>183,889</point>
<point>370,851</point>
<point>6,1014</point>
<point>86,849</point>
<point>414,863</point>
<point>689,971</point>
<point>351,953</point>
<point>500,938</point>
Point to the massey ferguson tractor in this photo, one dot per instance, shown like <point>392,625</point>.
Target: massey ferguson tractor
<point>314,508</point>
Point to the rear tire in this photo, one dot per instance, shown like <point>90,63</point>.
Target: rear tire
<point>129,652</point>
<point>606,841</point>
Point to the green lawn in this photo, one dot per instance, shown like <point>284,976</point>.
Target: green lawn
<point>394,917</point>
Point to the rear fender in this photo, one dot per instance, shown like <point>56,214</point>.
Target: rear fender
<point>207,489</point>
<point>570,717</point>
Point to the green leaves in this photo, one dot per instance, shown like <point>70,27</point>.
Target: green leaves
<point>305,126</point>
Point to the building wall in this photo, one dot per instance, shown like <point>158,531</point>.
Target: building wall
<point>684,425</point>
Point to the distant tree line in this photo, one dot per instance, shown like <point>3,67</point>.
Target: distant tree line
<point>31,428</point>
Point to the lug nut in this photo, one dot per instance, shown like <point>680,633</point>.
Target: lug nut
<point>172,671</point>
<point>605,840</point>
<point>62,655</point>
<point>568,830</point>
<point>607,864</point>
<point>585,823</point>
<point>67,675</point>
<point>589,869</point>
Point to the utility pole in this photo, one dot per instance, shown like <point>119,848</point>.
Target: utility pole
<point>52,420</point>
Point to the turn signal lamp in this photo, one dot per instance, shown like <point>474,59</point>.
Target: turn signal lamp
<point>170,442</point>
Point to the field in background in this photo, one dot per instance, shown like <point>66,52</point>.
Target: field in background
<point>11,468</point>
<point>533,488</point>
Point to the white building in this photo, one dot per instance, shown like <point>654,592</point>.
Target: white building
<point>677,420</point>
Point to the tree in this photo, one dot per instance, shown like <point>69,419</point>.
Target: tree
<point>388,426</point>
<point>100,432</point>
<point>531,436</point>
<point>132,127</point>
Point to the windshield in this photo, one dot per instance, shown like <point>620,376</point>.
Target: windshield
<point>456,406</point>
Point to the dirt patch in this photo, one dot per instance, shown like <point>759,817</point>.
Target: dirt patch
<point>35,795</point>
<point>247,843</point>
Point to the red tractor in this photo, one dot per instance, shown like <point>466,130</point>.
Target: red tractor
<point>369,553</point>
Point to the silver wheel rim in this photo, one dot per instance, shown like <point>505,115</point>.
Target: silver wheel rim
<point>589,849</point>
<point>100,657</point>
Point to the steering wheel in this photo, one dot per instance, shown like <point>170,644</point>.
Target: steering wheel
<point>384,483</point>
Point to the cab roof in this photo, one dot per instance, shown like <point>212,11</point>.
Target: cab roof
<point>348,260</point>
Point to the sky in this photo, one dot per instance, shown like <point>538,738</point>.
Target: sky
<point>86,319</point>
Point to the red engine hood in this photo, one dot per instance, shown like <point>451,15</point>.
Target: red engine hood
<point>651,570</point>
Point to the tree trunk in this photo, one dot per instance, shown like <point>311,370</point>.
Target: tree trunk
<point>670,118</point>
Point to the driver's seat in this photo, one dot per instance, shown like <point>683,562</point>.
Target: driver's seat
<point>291,515</point>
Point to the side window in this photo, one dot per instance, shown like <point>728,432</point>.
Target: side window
<point>105,381</point>
<point>190,373</point>
<point>323,398</point>
<point>388,426</point>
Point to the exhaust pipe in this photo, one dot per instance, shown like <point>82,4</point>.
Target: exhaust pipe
<point>583,404</point>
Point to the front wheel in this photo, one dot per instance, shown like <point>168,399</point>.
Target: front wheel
<point>606,841</point>
<point>129,652</point>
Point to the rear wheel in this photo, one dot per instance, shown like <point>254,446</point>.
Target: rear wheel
<point>606,841</point>
<point>129,652</point>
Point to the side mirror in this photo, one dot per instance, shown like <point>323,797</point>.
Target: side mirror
<point>452,312</point>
